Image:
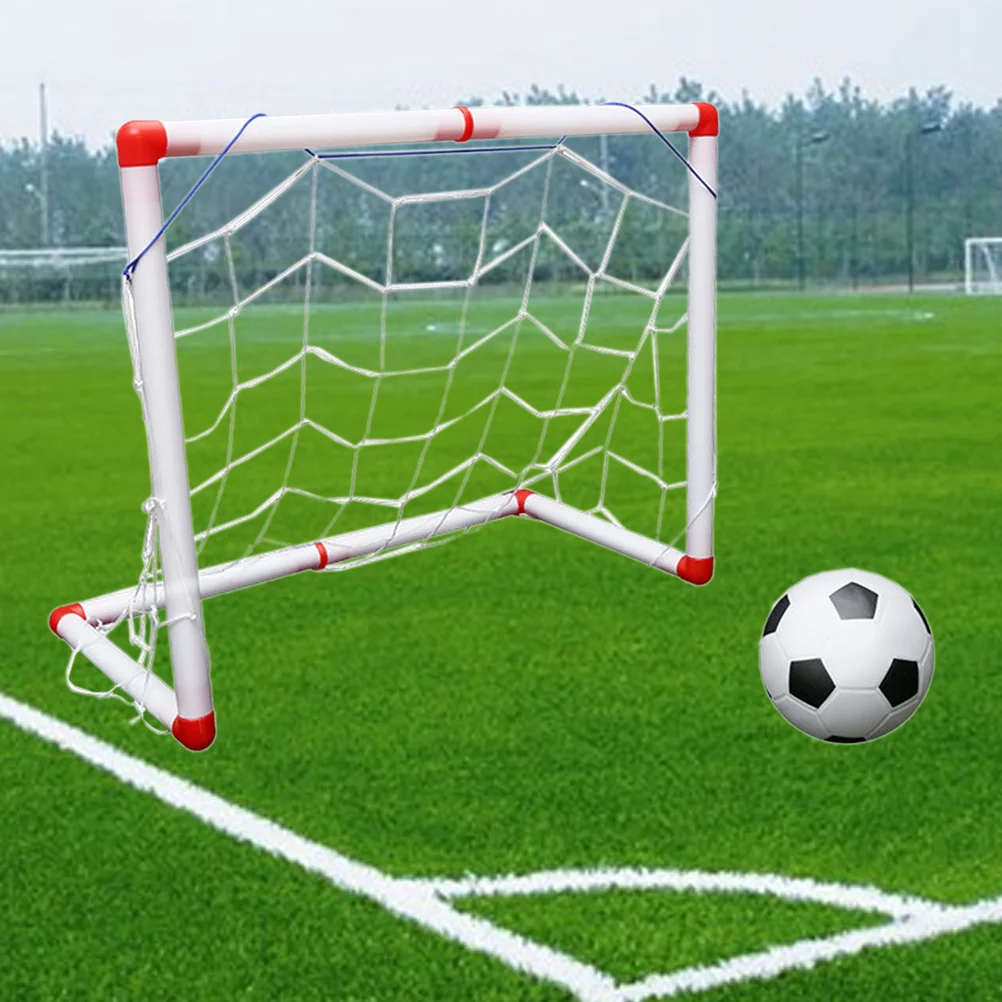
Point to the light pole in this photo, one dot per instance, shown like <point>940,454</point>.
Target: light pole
<point>803,144</point>
<point>922,130</point>
<point>43,128</point>
<point>43,203</point>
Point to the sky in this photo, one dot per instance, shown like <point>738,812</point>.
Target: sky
<point>107,61</point>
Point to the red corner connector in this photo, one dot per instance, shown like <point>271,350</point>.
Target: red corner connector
<point>709,121</point>
<point>695,570</point>
<point>141,144</point>
<point>196,734</point>
<point>521,497</point>
<point>76,609</point>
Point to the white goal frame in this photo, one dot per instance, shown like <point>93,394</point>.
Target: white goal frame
<point>972,246</point>
<point>187,708</point>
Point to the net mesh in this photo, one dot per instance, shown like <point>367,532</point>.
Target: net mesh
<point>371,340</point>
<point>419,350</point>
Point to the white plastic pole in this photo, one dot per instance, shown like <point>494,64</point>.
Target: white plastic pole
<point>144,687</point>
<point>74,623</point>
<point>701,406</point>
<point>597,530</point>
<point>165,436</point>
<point>225,578</point>
<point>201,138</point>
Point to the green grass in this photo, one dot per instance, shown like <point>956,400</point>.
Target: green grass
<point>631,934</point>
<point>517,700</point>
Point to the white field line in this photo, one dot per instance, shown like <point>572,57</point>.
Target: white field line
<point>847,896</point>
<point>407,898</point>
<point>811,952</point>
<point>426,901</point>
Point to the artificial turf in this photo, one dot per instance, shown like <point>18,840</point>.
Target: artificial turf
<point>517,700</point>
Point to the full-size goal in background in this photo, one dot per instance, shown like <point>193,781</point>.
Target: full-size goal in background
<point>61,274</point>
<point>532,296</point>
<point>983,266</point>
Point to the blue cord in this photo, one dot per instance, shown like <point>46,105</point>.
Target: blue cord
<point>664,139</point>
<point>130,268</point>
<point>371,154</point>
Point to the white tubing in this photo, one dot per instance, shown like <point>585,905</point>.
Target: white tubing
<point>224,578</point>
<point>413,530</point>
<point>160,699</point>
<point>165,436</point>
<point>144,687</point>
<point>701,435</point>
<point>214,581</point>
<point>597,530</point>
<point>373,129</point>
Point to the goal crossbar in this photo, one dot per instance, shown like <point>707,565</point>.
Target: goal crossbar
<point>61,257</point>
<point>139,142</point>
<point>186,709</point>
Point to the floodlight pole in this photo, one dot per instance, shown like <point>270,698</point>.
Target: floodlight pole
<point>802,144</point>
<point>43,116</point>
<point>923,130</point>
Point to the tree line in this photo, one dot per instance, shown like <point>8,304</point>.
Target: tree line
<point>819,189</point>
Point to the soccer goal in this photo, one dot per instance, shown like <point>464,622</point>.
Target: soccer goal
<point>61,274</point>
<point>391,329</point>
<point>983,266</point>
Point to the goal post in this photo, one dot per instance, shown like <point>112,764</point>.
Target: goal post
<point>983,266</point>
<point>172,596</point>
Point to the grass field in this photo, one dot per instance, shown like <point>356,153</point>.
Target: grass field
<point>519,702</point>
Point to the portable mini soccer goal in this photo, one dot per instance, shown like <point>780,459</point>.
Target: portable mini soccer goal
<point>555,254</point>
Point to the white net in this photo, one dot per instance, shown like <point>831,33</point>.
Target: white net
<point>353,351</point>
<point>983,266</point>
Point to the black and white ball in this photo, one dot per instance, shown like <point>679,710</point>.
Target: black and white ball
<point>846,656</point>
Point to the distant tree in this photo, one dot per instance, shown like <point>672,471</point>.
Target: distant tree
<point>855,192</point>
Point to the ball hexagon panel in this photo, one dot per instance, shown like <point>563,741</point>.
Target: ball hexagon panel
<point>856,656</point>
<point>774,664</point>
<point>901,682</point>
<point>802,717</point>
<point>893,721</point>
<point>810,681</point>
<point>927,665</point>
<point>853,713</point>
<point>804,625</point>
<point>902,629</point>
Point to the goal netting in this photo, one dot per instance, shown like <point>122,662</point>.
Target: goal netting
<point>983,266</point>
<point>383,348</point>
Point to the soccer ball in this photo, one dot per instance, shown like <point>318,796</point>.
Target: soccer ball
<point>846,656</point>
